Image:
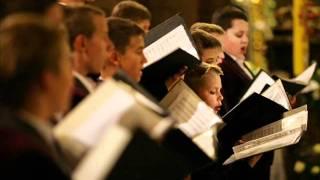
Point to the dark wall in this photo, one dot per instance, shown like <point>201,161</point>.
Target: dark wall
<point>191,10</point>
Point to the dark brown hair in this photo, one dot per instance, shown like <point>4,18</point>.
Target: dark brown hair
<point>131,10</point>
<point>225,16</point>
<point>79,20</point>
<point>120,32</point>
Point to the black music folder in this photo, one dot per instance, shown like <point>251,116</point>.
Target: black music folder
<point>157,73</point>
<point>183,147</point>
<point>130,155</point>
<point>252,113</point>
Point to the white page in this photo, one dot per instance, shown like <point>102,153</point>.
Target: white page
<point>299,119</point>
<point>306,75</point>
<point>271,142</point>
<point>177,38</point>
<point>263,131</point>
<point>293,119</point>
<point>202,120</point>
<point>208,142</point>
<point>99,161</point>
<point>105,116</point>
<point>258,84</point>
<point>277,94</point>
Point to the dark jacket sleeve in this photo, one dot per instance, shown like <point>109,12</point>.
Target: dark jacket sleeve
<point>30,165</point>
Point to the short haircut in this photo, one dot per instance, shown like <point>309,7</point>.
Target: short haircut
<point>29,46</point>
<point>120,32</point>
<point>197,77</point>
<point>131,10</point>
<point>79,20</point>
<point>204,40</point>
<point>207,27</point>
<point>225,16</point>
<point>24,6</point>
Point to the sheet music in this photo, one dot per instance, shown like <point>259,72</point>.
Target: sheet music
<point>299,119</point>
<point>263,131</point>
<point>296,118</point>
<point>258,84</point>
<point>105,116</point>
<point>284,132</point>
<point>177,38</point>
<point>277,94</point>
<point>189,110</point>
<point>271,142</point>
<point>201,121</point>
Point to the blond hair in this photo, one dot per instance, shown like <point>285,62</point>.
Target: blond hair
<point>207,27</point>
<point>195,78</point>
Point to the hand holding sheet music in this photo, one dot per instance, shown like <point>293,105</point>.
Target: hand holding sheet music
<point>284,132</point>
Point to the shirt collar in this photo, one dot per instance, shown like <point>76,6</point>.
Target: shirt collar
<point>88,83</point>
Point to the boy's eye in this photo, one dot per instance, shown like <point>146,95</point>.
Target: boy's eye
<point>212,92</point>
<point>239,35</point>
<point>210,61</point>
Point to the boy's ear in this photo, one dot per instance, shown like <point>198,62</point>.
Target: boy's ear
<point>47,81</point>
<point>116,58</point>
<point>80,43</point>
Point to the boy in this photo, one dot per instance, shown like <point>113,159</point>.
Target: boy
<point>213,29</point>
<point>209,48</point>
<point>128,41</point>
<point>88,41</point>
<point>36,81</point>
<point>206,83</point>
<point>236,77</point>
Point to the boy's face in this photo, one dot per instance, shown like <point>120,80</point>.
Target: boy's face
<point>235,41</point>
<point>132,60</point>
<point>97,45</point>
<point>212,55</point>
<point>210,93</point>
<point>62,82</point>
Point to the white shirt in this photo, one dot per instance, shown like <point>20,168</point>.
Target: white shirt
<point>241,64</point>
<point>88,83</point>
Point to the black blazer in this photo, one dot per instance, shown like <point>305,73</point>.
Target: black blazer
<point>234,83</point>
<point>79,92</point>
<point>24,154</point>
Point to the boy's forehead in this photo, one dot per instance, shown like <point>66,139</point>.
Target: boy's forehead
<point>100,23</point>
<point>237,21</point>
<point>136,41</point>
